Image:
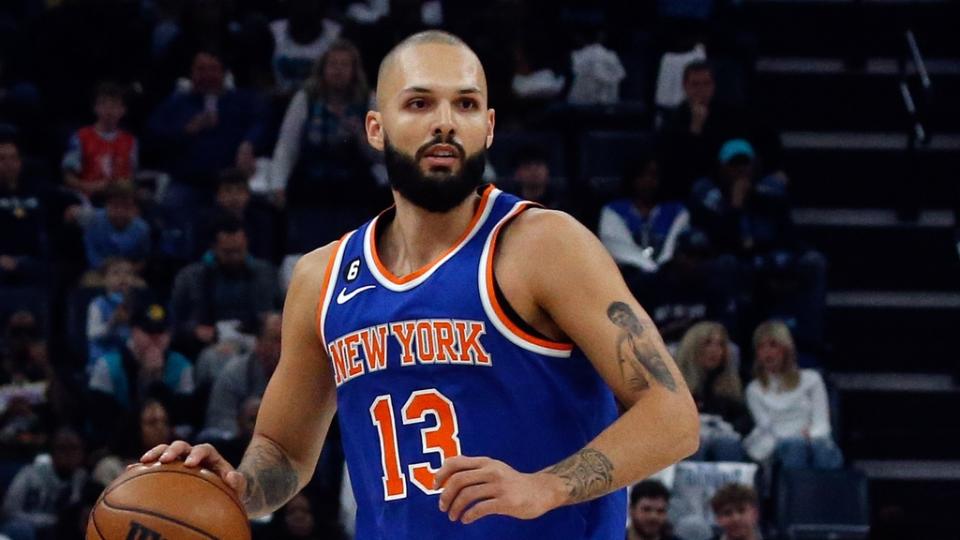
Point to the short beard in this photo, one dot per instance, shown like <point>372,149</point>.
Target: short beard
<point>436,191</point>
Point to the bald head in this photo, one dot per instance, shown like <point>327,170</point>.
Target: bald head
<point>401,54</point>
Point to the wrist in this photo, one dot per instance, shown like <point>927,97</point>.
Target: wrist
<point>556,492</point>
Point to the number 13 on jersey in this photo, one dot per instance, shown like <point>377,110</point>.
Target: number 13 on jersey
<point>442,439</point>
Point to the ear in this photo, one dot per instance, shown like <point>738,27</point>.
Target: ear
<point>491,120</point>
<point>374,125</point>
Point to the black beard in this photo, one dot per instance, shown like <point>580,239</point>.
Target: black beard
<point>439,191</point>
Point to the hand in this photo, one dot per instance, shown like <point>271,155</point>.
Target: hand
<point>205,333</point>
<point>698,117</point>
<point>8,263</point>
<point>246,159</point>
<point>200,122</point>
<point>474,487</point>
<point>279,198</point>
<point>202,455</point>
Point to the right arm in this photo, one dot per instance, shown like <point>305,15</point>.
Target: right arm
<point>286,443</point>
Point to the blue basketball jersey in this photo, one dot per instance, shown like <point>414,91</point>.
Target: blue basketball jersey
<point>428,366</point>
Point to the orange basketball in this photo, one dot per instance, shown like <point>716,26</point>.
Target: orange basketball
<point>168,502</point>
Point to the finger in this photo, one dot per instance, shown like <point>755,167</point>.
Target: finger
<point>459,481</point>
<point>153,453</point>
<point>174,451</point>
<point>236,481</point>
<point>470,495</point>
<point>456,464</point>
<point>481,509</point>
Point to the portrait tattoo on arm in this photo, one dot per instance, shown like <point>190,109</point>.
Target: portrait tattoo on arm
<point>636,348</point>
<point>271,478</point>
<point>587,474</point>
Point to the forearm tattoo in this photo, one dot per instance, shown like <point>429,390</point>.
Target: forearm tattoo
<point>587,474</point>
<point>271,478</point>
<point>635,348</point>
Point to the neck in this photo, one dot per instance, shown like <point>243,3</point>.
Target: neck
<point>637,535</point>
<point>103,127</point>
<point>643,205</point>
<point>417,237</point>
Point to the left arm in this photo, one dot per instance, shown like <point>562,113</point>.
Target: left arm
<point>820,415</point>
<point>589,302</point>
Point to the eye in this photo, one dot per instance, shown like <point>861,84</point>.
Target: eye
<point>468,104</point>
<point>417,104</point>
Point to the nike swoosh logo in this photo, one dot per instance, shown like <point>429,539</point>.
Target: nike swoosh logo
<point>344,297</point>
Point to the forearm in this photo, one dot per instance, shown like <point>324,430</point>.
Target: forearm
<point>272,477</point>
<point>648,437</point>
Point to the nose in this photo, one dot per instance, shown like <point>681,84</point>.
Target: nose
<point>443,121</point>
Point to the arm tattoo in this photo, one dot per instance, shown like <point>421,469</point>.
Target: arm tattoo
<point>587,474</point>
<point>634,349</point>
<point>271,478</point>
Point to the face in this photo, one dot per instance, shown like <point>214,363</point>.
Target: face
<point>233,197</point>
<point>645,184</point>
<point>268,343</point>
<point>338,70</point>
<point>230,249</point>
<point>624,319</point>
<point>771,355</point>
<point>649,516</point>
<point>738,521</point>
<point>10,164</point>
<point>248,415</point>
<point>67,452</point>
<point>738,168</point>
<point>143,342</point>
<point>298,517</point>
<point>121,212</point>
<point>433,124</point>
<point>154,425</point>
<point>119,277</point>
<point>713,352</point>
<point>109,110</point>
<point>207,74</point>
<point>533,176</point>
<point>699,87</point>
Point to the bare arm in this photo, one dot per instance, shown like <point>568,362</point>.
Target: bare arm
<point>554,264</point>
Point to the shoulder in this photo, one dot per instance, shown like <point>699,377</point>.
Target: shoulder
<point>541,229</point>
<point>310,272</point>
<point>810,377</point>
<point>178,361</point>
<point>754,388</point>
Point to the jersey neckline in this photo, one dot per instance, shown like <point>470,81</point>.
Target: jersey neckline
<point>408,281</point>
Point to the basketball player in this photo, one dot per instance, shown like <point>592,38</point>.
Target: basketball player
<point>475,346</point>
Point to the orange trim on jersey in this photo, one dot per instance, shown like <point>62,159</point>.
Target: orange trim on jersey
<point>495,304</point>
<point>323,289</point>
<point>484,200</point>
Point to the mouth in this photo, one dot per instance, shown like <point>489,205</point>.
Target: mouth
<point>441,155</point>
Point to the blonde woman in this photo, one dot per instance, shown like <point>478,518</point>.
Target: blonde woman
<point>789,405</point>
<point>705,359</point>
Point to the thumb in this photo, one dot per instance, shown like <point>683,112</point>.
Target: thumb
<point>236,481</point>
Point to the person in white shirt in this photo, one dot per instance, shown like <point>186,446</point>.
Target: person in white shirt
<point>789,406</point>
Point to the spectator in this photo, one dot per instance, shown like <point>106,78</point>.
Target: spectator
<point>225,292</point>
<point>322,158</point>
<point>205,130</point>
<point>117,229</point>
<point>649,502</point>
<point>693,133</point>
<point>73,522</point>
<point>243,378</point>
<point>121,382</point>
<point>23,242</point>
<point>30,391</point>
<point>42,491</point>
<point>532,179</point>
<point>705,358</point>
<point>108,315</point>
<point>750,217</point>
<point>101,153</point>
<point>147,429</point>
<point>641,229</point>
<point>789,405</point>
<point>234,199</point>
<point>299,39</point>
<point>233,447</point>
<point>299,522</point>
<point>735,509</point>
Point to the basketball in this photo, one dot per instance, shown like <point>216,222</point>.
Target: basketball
<point>170,501</point>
